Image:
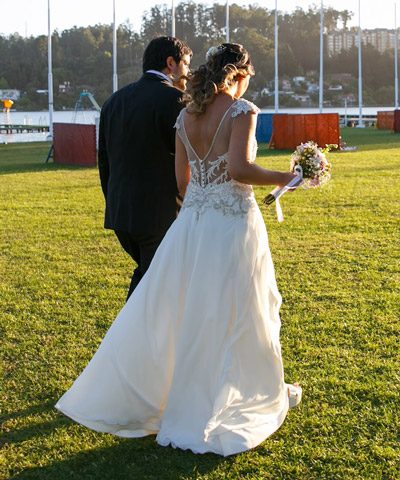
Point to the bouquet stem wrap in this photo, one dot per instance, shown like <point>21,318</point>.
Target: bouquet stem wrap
<point>309,163</point>
<point>277,192</point>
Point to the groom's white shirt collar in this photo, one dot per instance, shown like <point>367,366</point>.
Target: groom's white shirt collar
<point>160,74</point>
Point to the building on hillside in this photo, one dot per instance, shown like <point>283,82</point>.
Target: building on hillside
<point>299,80</point>
<point>64,87</point>
<point>312,87</point>
<point>340,40</point>
<point>10,94</point>
<point>335,88</point>
<point>381,38</point>
<point>302,98</point>
<point>351,98</point>
<point>286,85</point>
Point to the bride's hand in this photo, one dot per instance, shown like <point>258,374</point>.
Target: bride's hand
<point>287,177</point>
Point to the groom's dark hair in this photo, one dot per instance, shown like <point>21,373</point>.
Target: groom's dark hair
<point>160,48</point>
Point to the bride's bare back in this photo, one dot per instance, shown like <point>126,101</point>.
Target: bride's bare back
<point>201,129</point>
<point>218,145</point>
<point>206,139</point>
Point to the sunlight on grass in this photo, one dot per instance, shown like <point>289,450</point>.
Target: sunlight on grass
<point>337,256</point>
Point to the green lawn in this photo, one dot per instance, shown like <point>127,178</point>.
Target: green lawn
<point>337,256</point>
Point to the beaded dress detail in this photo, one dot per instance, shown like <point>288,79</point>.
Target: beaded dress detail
<point>210,184</point>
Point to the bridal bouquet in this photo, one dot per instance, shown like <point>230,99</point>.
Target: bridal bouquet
<point>308,162</point>
<point>315,168</point>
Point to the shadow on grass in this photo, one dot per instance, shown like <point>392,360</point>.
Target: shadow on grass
<point>138,458</point>
<point>29,157</point>
<point>32,410</point>
<point>34,429</point>
<point>130,459</point>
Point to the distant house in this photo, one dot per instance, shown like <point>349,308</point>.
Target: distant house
<point>335,88</point>
<point>10,94</point>
<point>312,87</point>
<point>286,85</point>
<point>351,98</point>
<point>64,87</point>
<point>299,80</point>
<point>302,98</point>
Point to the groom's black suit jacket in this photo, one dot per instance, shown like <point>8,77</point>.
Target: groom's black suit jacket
<point>136,156</point>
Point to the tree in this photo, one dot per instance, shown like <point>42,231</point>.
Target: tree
<point>3,84</point>
<point>83,56</point>
<point>345,16</point>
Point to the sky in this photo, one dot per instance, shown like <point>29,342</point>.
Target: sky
<point>29,17</point>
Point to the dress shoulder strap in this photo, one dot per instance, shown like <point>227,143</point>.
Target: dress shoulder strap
<point>178,123</point>
<point>243,106</point>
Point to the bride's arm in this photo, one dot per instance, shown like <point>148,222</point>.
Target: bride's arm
<point>240,156</point>
<point>182,169</point>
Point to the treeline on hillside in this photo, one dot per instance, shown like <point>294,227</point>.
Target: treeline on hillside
<point>82,57</point>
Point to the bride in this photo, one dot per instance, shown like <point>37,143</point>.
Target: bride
<point>194,356</point>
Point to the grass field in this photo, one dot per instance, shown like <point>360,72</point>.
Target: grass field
<point>337,256</point>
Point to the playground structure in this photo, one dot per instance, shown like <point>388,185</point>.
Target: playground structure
<point>76,143</point>
<point>80,103</point>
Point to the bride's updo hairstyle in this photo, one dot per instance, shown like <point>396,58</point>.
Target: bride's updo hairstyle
<point>224,64</point>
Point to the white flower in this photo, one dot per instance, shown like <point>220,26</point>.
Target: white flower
<point>213,51</point>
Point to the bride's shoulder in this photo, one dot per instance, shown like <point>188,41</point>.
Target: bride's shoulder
<point>179,119</point>
<point>243,106</point>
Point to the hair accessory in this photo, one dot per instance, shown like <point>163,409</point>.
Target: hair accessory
<point>214,51</point>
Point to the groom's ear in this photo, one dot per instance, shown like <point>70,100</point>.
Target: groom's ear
<point>170,64</point>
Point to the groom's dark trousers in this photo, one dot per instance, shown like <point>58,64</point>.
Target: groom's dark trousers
<point>137,166</point>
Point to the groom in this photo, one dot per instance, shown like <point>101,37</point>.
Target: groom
<point>136,152</point>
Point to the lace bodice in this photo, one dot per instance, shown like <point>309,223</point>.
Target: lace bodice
<point>210,184</point>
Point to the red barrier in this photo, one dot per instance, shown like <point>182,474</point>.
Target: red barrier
<point>396,121</point>
<point>75,144</point>
<point>385,120</point>
<point>291,130</point>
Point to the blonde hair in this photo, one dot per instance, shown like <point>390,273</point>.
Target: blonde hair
<point>224,64</point>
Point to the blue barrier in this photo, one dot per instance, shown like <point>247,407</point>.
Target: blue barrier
<point>264,127</point>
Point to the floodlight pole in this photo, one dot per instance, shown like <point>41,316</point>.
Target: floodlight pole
<point>321,59</point>
<point>276,59</point>
<point>115,75</point>
<point>360,99</point>
<point>396,70</point>
<point>50,71</point>
<point>227,22</point>
<point>173,18</point>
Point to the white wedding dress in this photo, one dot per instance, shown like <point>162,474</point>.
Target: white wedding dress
<point>194,356</point>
